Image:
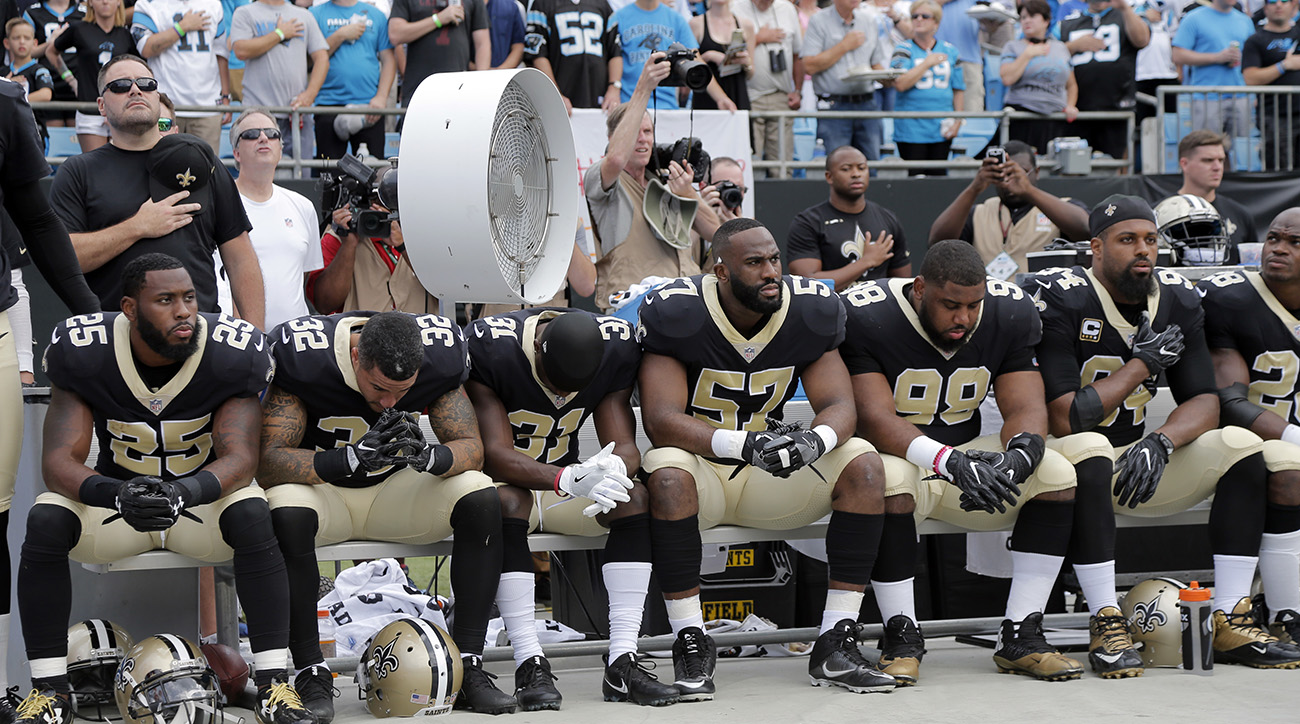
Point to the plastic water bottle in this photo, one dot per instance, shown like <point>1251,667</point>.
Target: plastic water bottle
<point>325,627</point>
<point>1198,629</point>
<point>363,152</point>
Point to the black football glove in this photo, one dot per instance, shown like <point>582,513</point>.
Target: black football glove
<point>431,458</point>
<point>144,505</point>
<point>1158,350</point>
<point>380,447</point>
<point>752,451</point>
<point>787,453</point>
<point>1024,452</point>
<point>1139,469</point>
<point>984,487</point>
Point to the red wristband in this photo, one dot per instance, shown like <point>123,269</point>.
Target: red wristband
<point>559,475</point>
<point>939,457</point>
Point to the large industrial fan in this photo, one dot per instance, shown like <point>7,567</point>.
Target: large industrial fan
<point>489,186</point>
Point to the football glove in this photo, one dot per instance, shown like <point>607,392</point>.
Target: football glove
<point>983,486</point>
<point>751,453</point>
<point>1139,469</point>
<point>143,504</point>
<point>379,447</point>
<point>1158,350</point>
<point>599,479</point>
<point>787,453</point>
<point>1024,452</point>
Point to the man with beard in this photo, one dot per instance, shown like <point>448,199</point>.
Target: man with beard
<point>1021,218</point>
<point>343,459</point>
<point>138,193</point>
<point>954,335</point>
<point>722,354</point>
<point>833,240</point>
<point>170,395</point>
<point>1108,333</point>
<point>1249,325</point>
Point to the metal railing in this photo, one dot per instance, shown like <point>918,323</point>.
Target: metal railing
<point>1004,118</point>
<point>1237,111</point>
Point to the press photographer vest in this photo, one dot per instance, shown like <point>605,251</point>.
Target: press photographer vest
<point>376,288</point>
<point>994,232</point>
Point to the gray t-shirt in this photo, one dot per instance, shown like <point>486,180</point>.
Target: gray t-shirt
<point>784,16</point>
<point>825,29</point>
<point>276,77</point>
<point>1041,87</point>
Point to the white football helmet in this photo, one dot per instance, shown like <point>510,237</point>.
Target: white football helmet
<point>1152,607</point>
<point>1194,228</point>
<point>165,679</point>
<point>409,668</point>
<point>95,649</point>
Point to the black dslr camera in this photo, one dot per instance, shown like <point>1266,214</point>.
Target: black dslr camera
<point>730,194</point>
<point>685,150</point>
<point>687,71</point>
<point>356,186</point>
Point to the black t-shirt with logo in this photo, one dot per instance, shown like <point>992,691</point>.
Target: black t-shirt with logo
<point>836,237</point>
<point>94,48</point>
<point>1266,48</point>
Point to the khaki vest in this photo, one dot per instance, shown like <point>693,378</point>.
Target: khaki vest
<point>376,289</point>
<point>641,254</point>
<point>1024,236</point>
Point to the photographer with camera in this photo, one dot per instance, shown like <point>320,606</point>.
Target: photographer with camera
<point>726,189</point>
<point>647,27</point>
<point>642,209</point>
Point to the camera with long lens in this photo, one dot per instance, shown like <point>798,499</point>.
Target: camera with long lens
<point>356,186</point>
<point>686,70</point>
<point>729,194</point>
<point>683,151</point>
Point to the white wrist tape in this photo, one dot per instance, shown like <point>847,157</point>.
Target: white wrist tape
<point>828,436</point>
<point>927,453</point>
<point>728,444</point>
<point>1291,434</point>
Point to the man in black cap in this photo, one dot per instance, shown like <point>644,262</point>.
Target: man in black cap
<point>1108,333</point>
<point>141,193</point>
<point>536,376</point>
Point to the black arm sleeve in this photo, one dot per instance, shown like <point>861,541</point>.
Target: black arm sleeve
<point>1057,362</point>
<point>50,247</point>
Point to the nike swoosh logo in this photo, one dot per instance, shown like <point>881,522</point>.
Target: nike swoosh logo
<point>620,689</point>
<point>838,674</point>
<point>1109,658</point>
<point>1261,648</point>
<point>1147,454</point>
<point>261,341</point>
<point>689,684</point>
<point>478,330</point>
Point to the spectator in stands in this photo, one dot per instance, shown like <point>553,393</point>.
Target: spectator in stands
<point>1208,45</point>
<point>99,38</point>
<point>1203,159</point>
<point>506,26</point>
<point>777,81</point>
<point>648,26</point>
<point>1269,58</point>
<point>932,81</point>
<point>1105,40</point>
<point>1036,71</point>
<point>440,41</point>
<point>715,31</point>
<point>843,38</point>
<point>361,73</point>
<point>895,26</point>
<point>183,56</point>
<point>962,32</point>
<point>284,222</point>
<point>1021,218</point>
<point>47,17</point>
<point>26,71</point>
<point>589,75</point>
<point>277,42</point>
<point>1155,64</point>
<point>630,245</point>
<point>113,204</point>
<point>848,238</point>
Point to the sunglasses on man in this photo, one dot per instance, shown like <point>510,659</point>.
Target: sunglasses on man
<point>123,85</point>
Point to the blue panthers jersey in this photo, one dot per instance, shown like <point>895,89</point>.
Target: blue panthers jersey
<point>933,92</point>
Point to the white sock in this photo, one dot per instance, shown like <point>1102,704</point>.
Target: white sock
<point>516,601</point>
<point>1032,578</point>
<point>684,613</point>
<point>1232,578</point>
<point>1279,566</point>
<point>894,598</point>
<point>48,668</point>
<point>1098,583</point>
<point>271,660</point>
<point>4,650</point>
<point>839,606</point>
<point>626,583</point>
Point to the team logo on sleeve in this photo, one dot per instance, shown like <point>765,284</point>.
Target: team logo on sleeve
<point>1090,330</point>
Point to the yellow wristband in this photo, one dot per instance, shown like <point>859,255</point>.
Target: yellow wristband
<point>280,33</point>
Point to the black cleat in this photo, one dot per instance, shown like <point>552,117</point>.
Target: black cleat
<point>836,661</point>
<point>278,703</point>
<point>1023,649</point>
<point>627,679</point>
<point>694,658</point>
<point>901,648</point>
<point>315,687</point>
<point>1286,627</point>
<point>1241,638</point>
<point>478,693</point>
<point>44,707</point>
<point>533,688</point>
<point>1110,649</point>
<point>9,705</point>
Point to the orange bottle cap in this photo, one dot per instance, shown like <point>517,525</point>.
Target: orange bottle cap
<point>1194,593</point>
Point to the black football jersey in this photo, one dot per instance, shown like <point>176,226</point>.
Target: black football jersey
<point>314,363</point>
<point>545,425</point>
<point>938,392</point>
<point>1106,77</point>
<point>577,39</point>
<point>735,381</point>
<point>166,430</point>
<point>1087,336</point>
<point>1242,314</point>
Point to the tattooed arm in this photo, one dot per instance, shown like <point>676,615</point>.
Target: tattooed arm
<point>234,440</point>
<point>452,420</point>
<point>69,425</point>
<point>284,420</point>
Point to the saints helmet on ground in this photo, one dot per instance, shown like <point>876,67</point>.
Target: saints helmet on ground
<point>1152,607</point>
<point>95,649</point>
<point>165,679</point>
<point>1194,228</point>
<point>409,668</point>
